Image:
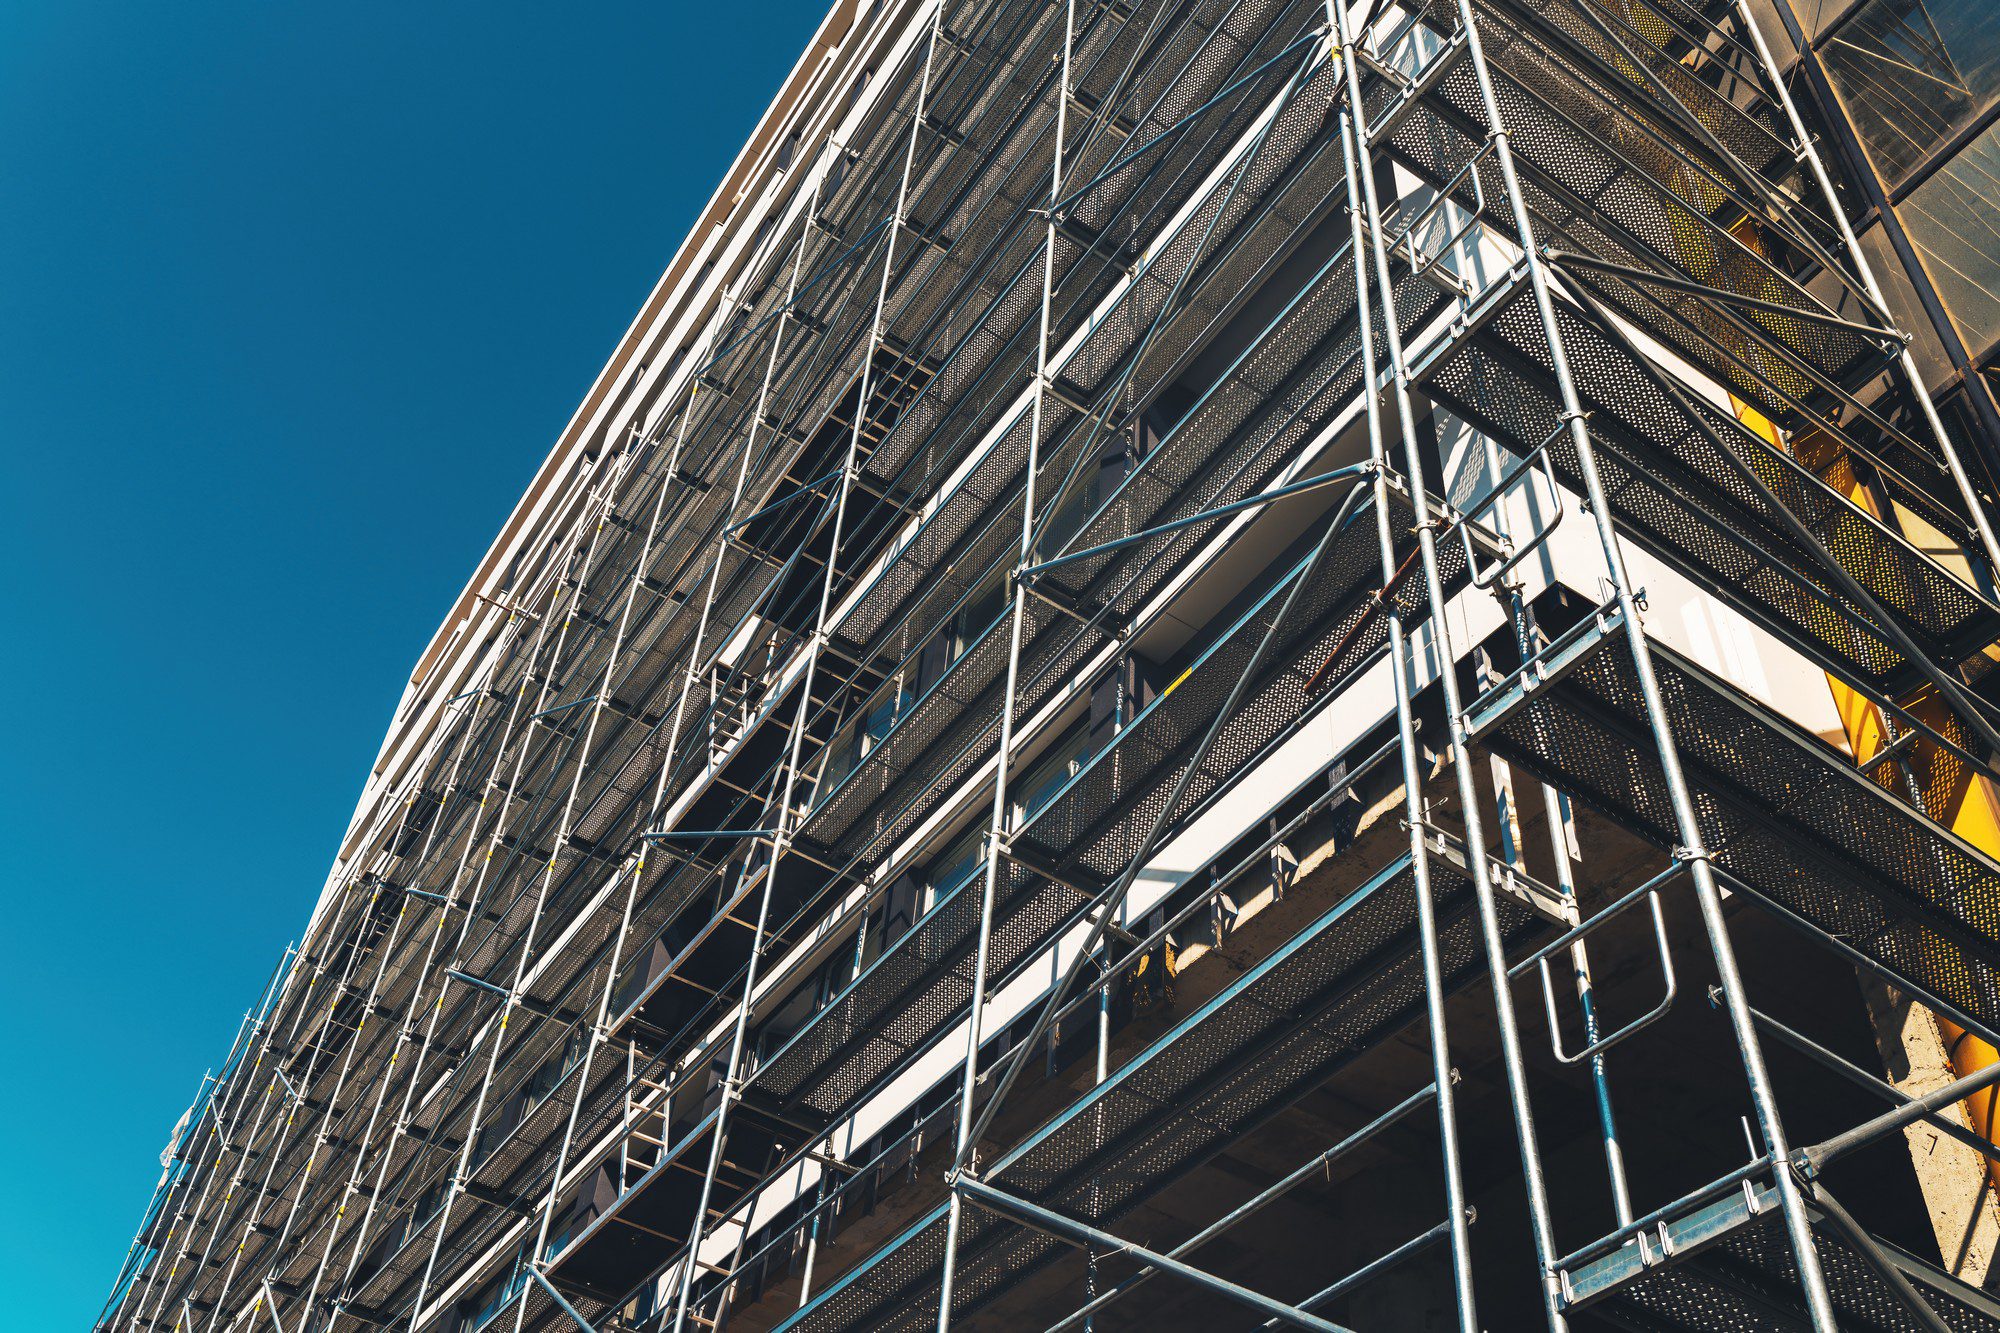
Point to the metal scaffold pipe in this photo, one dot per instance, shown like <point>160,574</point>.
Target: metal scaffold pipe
<point>1437,1036</point>
<point>1693,848</point>
<point>1461,757</point>
<point>1809,154</point>
<point>787,816</point>
<point>997,824</point>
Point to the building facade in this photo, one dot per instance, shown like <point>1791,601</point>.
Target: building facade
<point>1205,662</point>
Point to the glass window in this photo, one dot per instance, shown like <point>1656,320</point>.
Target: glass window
<point>1077,509</point>
<point>978,612</point>
<point>880,720</point>
<point>558,1063</point>
<point>561,1234</point>
<point>1064,760</point>
<point>1954,221</point>
<point>429,1202</point>
<point>631,977</point>
<point>843,752</point>
<point>956,865</point>
<point>1913,73</point>
<point>641,1307</point>
<point>859,737</point>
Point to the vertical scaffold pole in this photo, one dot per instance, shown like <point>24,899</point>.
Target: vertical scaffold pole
<point>1477,866</point>
<point>222,1133</point>
<point>325,1133</point>
<point>670,758</point>
<point>600,505</point>
<point>636,872</point>
<point>997,826</point>
<point>439,956</point>
<point>211,1149</point>
<point>269,1088</point>
<point>402,1039</point>
<point>1406,732</point>
<point>607,685</point>
<point>1687,825</point>
<point>732,1090</point>
<point>359,863</point>
<point>292,1099</point>
<point>1805,1252</point>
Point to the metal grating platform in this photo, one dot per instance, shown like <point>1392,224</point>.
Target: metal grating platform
<point>1642,141</point>
<point>1097,819</point>
<point>1670,487</point>
<point>917,987</point>
<point>1261,411</point>
<point>1265,207</point>
<point>632,1234</point>
<point>1730,1270</point>
<point>1609,176</point>
<point>950,730</point>
<point>1345,982</point>
<point>1785,815</point>
<point>923,979</point>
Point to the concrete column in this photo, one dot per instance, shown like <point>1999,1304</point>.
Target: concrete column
<point>1957,1190</point>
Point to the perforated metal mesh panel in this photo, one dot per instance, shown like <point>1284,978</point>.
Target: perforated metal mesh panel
<point>1781,811</point>
<point>956,544</point>
<point>1631,149</point>
<point>1609,38</point>
<point>984,369</point>
<point>1099,818</point>
<point>921,983</point>
<point>1570,139</point>
<point>951,730</point>
<point>1275,398</point>
<point>1748,1283</point>
<point>1344,983</point>
<point>1669,485</point>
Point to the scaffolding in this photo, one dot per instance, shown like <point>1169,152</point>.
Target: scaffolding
<point>848,873</point>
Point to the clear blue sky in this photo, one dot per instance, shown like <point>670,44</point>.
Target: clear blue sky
<point>293,299</point>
